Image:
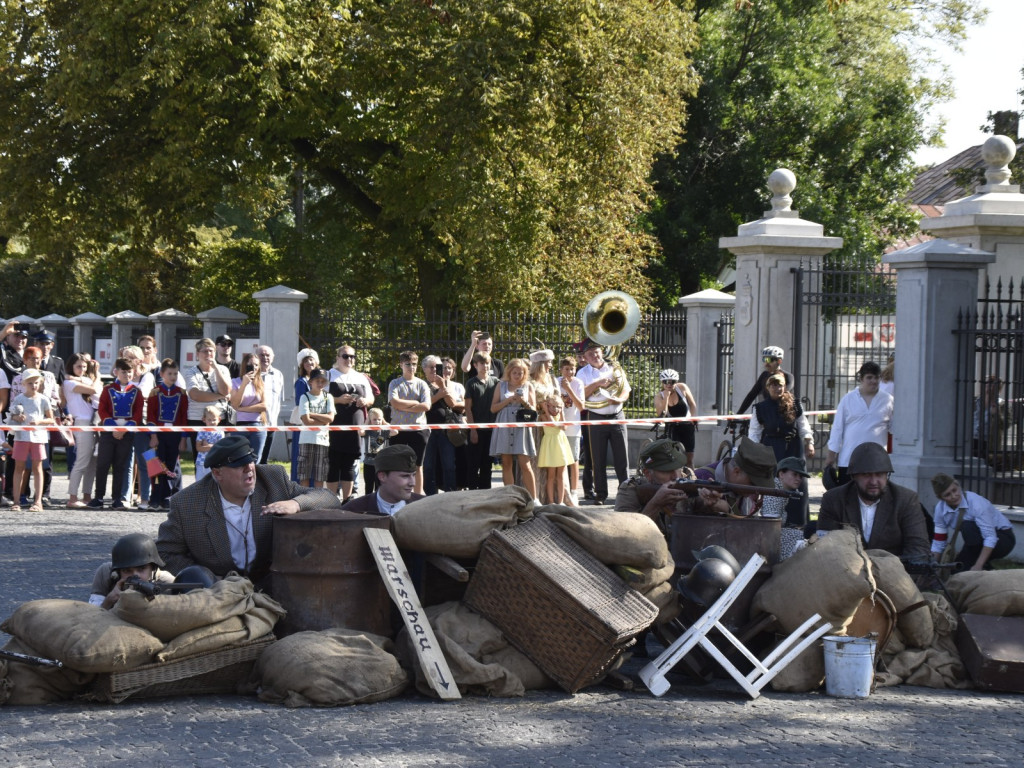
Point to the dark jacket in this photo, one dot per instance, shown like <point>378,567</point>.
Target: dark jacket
<point>368,504</point>
<point>899,525</point>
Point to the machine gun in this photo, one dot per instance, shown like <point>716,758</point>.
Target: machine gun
<point>918,565</point>
<point>151,589</point>
<point>35,661</point>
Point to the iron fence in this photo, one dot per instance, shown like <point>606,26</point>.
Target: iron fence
<point>990,395</point>
<point>379,338</point>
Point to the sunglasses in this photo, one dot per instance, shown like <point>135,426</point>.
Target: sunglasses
<point>771,359</point>
<point>225,344</point>
<point>347,357</point>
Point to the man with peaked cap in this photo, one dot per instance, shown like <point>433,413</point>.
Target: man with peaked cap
<point>225,522</point>
<point>751,464</point>
<point>888,516</point>
<point>662,463</point>
<point>396,473</point>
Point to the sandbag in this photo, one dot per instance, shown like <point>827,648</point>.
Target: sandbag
<point>168,616</point>
<point>331,668</point>
<point>666,598</point>
<point>614,538</point>
<point>456,524</point>
<point>937,665</point>
<point>84,637</point>
<point>992,593</point>
<point>27,685</point>
<point>257,621</point>
<point>481,660</point>
<point>645,579</point>
<point>829,577</point>
<point>892,578</point>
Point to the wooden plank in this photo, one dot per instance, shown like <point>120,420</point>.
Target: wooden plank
<point>403,594</point>
<point>449,567</point>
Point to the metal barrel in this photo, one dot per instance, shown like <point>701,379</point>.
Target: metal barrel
<point>324,574</point>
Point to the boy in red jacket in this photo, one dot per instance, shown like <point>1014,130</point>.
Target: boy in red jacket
<point>167,406</point>
<point>121,404</point>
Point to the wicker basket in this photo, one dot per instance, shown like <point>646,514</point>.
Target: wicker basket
<point>556,602</point>
<point>204,673</point>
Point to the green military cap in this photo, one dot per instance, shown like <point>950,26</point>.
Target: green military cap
<point>395,458</point>
<point>663,456</point>
<point>757,460</point>
<point>795,464</point>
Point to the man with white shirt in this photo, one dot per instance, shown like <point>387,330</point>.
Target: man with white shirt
<point>598,376</point>
<point>396,473</point>
<point>888,516</point>
<point>273,394</point>
<point>863,415</point>
<point>225,522</point>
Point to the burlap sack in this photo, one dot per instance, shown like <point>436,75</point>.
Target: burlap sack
<point>85,637</point>
<point>331,668</point>
<point>992,593</point>
<point>645,579</point>
<point>257,621</point>
<point>892,578</point>
<point>27,685</point>
<point>936,666</point>
<point>614,538</point>
<point>481,660</point>
<point>168,616</point>
<point>666,598</point>
<point>456,524</point>
<point>829,577</point>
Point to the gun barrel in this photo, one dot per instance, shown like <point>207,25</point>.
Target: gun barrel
<point>35,661</point>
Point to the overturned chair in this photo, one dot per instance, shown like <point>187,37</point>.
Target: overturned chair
<point>653,675</point>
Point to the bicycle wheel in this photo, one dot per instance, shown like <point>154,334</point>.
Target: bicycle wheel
<point>724,450</point>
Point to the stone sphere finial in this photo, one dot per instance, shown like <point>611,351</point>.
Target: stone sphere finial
<point>781,182</point>
<point>997,152</point>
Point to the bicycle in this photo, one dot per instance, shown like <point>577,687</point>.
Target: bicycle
<point>728,445</point>
<point>659,431</point>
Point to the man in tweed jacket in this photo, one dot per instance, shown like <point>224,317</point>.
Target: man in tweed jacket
<point>225,521</point>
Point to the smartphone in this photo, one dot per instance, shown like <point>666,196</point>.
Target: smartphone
<point>22,327</point>
<point>250,368</point>
<point>439,370</point>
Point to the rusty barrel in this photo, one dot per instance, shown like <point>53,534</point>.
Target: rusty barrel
<point>324,574</point>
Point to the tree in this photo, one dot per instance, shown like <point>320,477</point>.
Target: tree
<point>837,95</point>
<point>476,153</point>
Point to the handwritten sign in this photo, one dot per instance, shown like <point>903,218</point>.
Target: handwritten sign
<point>403,594</point>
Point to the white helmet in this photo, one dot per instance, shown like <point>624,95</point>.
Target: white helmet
<point>773,352</point>
<point>668,375</point>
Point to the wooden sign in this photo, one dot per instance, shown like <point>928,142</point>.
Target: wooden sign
<point>403,594</point>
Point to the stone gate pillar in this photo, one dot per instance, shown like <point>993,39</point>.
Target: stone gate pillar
<point>703,311</point>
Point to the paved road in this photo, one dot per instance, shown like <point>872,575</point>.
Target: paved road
<point>53,555</point>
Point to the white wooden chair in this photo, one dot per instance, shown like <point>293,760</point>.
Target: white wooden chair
<point>764,670</point>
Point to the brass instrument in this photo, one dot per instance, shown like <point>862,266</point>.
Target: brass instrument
<point>610,319</point>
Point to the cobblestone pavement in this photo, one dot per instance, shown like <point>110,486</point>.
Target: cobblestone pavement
<point>53,554</point>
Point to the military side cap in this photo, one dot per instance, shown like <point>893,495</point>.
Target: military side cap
<point>663,456</point>
<point>396,458</point>
<point>232,451</point>
<point>794,464</point>
<point>758,461</point>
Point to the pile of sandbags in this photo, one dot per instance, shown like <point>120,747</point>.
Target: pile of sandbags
<point>829,577</point>
<point>89,640</point>
<point>990,593</point>
<point>481,660</point>
<point>456,524</point>
<point>913,619</point>
<point>331,668</point>
<point>936,664</point>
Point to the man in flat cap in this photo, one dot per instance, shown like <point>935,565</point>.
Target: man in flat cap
<point>751,464</point>
<point>651,490</point>
<point>225,522</point>
<point>396,473</point>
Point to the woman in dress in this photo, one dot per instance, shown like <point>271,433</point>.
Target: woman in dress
<point>249,402</point>
<point>675,399</point>
<point>513,394</point>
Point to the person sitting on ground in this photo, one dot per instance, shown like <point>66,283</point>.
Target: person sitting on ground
<point>662,464</point>
<point>132,555</point>
<point>790,474</point>
<point>753,464</point>
<point>396,478</point>
<point>986,532</point>
<point>888,516</point>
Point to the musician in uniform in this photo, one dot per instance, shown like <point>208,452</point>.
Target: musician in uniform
<point>607,390</point>
<point>651,491</point>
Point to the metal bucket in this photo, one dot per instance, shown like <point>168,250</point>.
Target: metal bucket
<point>849,666</point>
<point>324,574</point>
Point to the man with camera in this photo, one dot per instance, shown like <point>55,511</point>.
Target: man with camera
<point>447,397</point>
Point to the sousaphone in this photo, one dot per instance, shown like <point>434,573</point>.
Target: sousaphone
<point>610,319</point>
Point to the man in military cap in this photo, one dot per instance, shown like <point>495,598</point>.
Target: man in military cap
<point>396,473</point>
<point>888,516</point>
<point>752,464</point>
<point>651,490</point>
<point>224,522</point>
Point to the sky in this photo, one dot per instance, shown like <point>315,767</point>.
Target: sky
<point>986,77</point>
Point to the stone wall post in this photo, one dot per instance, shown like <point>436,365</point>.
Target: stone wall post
<point>86,325</point>
<point>767,250</point>
<point>121,328</point>
<point>703,311</point>
<point>934,280</point>
<point>165,331</point>
<point>215,321</point>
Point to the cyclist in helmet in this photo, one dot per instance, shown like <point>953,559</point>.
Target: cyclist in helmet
<point>771,357</point>
<point>675,399</point>
<point>132,555</point>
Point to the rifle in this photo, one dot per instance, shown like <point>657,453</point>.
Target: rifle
<point>692,488</point>
<point>151,589</point>
<point>918,565</point>
<point>35,661</point>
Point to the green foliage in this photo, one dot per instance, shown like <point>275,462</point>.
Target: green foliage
<point>475,154</point>
<point>835,95</point>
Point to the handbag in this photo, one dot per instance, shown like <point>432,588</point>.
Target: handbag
<point>457,437</point>
<point>526,414</point>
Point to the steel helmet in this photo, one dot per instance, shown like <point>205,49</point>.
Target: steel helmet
<point>869,457</point>
<point>717,550</point>
<point>773,352</point>
<point>668,375</point>
<point>707,581</point>
<point>134,551</point>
